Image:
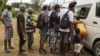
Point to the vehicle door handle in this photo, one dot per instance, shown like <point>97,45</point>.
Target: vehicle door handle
<point>95,22</point>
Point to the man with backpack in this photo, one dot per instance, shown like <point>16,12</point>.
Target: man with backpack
<point>53,28</point>
<point>7,21</point>
<point>66,27</point>
<point>42,24</point>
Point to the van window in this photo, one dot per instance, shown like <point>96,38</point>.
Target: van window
<point>83,11</point>
<point>98,9</point>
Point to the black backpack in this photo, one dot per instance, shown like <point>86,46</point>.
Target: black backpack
<point>40,22</point>
<point>65,23</point>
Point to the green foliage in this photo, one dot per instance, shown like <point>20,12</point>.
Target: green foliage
<point>14,12</point>
<point>2,5</point>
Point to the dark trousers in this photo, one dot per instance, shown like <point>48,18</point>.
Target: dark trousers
<point>21,41</point>
<point>64,40</point>
<point>30,39</point>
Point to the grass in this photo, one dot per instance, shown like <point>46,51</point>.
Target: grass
<point>15,41</point>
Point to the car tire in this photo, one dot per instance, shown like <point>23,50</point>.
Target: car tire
<point>96,49</point>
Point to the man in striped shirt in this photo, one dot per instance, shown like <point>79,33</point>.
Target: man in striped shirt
<point>30,29</point>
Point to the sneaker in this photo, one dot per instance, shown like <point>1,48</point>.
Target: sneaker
<point>42,51</point>
<point>7,51</point>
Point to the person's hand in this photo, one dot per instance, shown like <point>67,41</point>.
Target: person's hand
<point>24,35</point>
<point>7,25</point>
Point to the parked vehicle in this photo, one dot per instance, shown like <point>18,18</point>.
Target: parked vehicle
<point>89,13</point>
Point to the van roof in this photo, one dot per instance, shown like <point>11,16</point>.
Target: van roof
<point>80,2</point>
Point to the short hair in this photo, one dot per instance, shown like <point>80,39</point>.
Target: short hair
<point>22,6</point>
<point>45,7</point>
<point>56,6</point>
<point>29,10</point>
<point>77,30</point>
<point>72,4</point>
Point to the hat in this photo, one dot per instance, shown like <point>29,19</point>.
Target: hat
<point>8,4</point>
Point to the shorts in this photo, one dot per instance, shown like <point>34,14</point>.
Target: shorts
<point>52,39</point>
<point>30,38</point>
<point>43,35</point>
<point>8,33</point>
<point>77,48</point>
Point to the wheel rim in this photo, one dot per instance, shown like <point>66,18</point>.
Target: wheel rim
<point>97,50</point>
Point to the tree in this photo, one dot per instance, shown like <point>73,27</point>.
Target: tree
<point>2,5</point>
<point>36,4</point>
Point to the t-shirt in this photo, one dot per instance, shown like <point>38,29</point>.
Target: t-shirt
<point>8,16</point>
<point>29,22</point>
<point>44,17</point>
<point>54,18</point>
<point>71,18</point>
<point>77,39</point>
<point>20,18</point>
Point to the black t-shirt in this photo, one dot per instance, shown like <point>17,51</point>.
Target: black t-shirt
<point>54,18</point>
<point>20,18</point>
<point>77,39</point>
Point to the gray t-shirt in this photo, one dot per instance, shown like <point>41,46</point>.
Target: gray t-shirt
<point>44,16</point>
<point>8,16</point>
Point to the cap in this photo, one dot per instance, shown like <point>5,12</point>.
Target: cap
<point>8,4</point>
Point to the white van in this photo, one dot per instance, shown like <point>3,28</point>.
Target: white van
<point>89,12</point>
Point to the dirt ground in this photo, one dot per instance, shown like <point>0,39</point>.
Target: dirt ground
<point>35,45</point>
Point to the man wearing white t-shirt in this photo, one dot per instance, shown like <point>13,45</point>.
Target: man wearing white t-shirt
<point>65,32</point>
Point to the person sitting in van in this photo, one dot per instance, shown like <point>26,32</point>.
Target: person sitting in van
<point>77,43</point>
<point>30,29</point>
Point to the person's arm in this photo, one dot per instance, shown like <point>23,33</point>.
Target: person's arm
<point>71,19</point>
<point>4,15</point>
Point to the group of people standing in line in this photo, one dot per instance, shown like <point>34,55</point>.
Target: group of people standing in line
<point>52,26</point>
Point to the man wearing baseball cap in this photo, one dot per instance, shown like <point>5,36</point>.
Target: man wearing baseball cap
<point>6,19</point>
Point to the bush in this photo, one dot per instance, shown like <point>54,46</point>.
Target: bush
<point>14,12</point>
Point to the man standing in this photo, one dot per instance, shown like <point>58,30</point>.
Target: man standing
<point>44,29</point>
<point>21,27</point>
<point>6,19</point>
<point>54,25</point>
<point>30,29</point>
<point>69,15</point>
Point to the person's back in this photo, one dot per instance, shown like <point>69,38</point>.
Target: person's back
<point>66,27</point>
<point>77,42</point>
<point>54,18</point>
<point>77,39</point>
<point>43,29</point>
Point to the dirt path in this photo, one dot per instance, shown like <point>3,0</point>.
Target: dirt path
<point>35,45</point>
